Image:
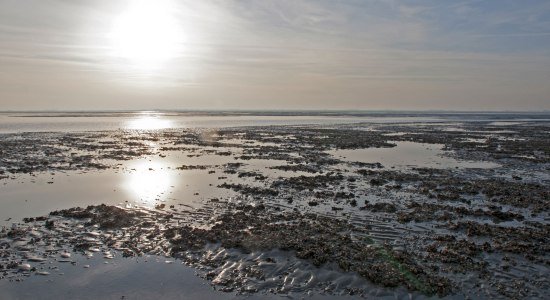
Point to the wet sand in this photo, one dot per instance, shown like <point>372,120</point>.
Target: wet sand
<point>448,209</point>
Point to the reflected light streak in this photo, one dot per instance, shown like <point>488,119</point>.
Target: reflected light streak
<point>148,181</point>
<point>148,123</point>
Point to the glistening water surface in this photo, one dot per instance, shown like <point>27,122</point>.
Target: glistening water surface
<point>406,205</point>
<point>97,121</point>
<point>408,155</point>
<point>13,123</point>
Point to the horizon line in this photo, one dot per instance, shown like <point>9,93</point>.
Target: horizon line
<point>273,110</point>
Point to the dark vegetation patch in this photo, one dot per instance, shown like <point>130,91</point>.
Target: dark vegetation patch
<point>249,190</point>
<point>309,182</point>
<point>311,237</point>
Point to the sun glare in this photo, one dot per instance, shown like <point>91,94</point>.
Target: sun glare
<point>147,34</point>
<point>148,123</point>
<point>148,181</point>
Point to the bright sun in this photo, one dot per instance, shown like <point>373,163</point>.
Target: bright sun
<point>147,33</point>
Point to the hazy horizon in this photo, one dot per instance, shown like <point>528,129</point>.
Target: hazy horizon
<point>275,55</point>
<point>305,111</point>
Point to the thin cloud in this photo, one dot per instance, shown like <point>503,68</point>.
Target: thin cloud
<point>319,52</point>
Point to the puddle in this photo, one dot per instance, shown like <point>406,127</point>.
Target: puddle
<point>145,182</point>
<point>396,134</point>
<point>454,129</point>
<point>505,123</point>
<point>409,154</point>
<point>130,278</point>
<point>474,140</point>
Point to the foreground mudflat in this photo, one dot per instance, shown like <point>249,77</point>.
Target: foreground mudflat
<point>454,209</point>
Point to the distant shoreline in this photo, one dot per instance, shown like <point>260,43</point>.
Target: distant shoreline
<point>326,113</point>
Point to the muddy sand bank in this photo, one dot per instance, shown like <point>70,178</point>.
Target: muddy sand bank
<point>294,210</point>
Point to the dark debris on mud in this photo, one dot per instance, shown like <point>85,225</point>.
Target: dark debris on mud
<point>319,240</point>
<point>439,226</point>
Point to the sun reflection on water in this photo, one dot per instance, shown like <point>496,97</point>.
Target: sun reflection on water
<point>149,123</point>
<point>148,181</point>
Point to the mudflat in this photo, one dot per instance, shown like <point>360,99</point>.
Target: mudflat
<point>451,208</point>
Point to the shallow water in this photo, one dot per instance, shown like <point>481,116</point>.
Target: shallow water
<point>146,181</point>
<point>130,278</point>
<point>151,120</point>
<point>155,179</point>
<point>149,277</point>
<point>408,155</point>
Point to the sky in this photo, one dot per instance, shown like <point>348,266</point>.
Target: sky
<point>275,54</point>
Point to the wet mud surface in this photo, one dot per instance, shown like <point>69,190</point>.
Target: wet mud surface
<point>295,213</point>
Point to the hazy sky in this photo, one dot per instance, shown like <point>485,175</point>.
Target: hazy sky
<point>287,54</point>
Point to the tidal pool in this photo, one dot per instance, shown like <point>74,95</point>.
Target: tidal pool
<point>409,154</point>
